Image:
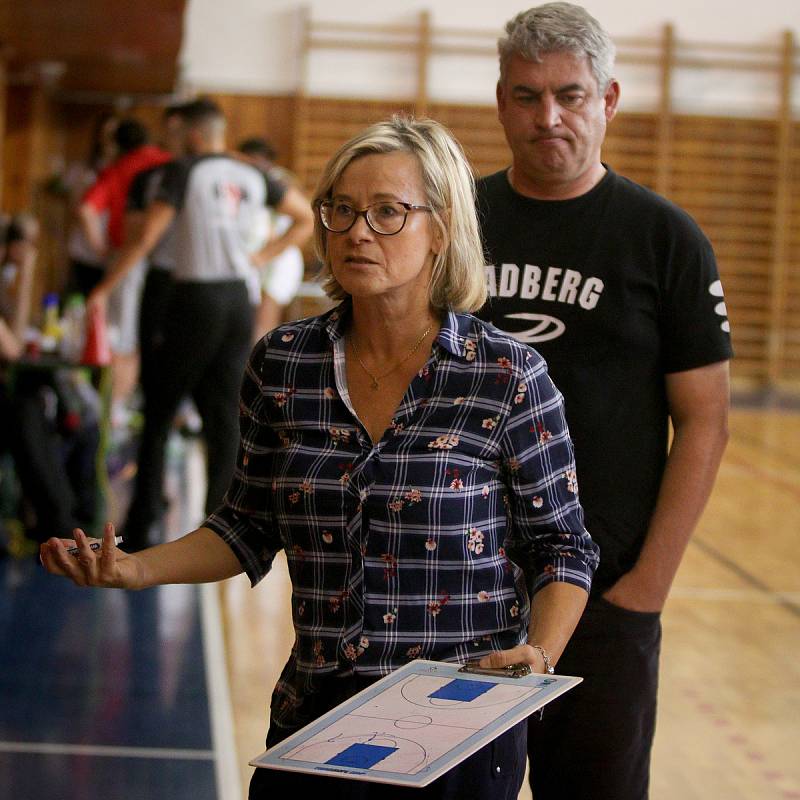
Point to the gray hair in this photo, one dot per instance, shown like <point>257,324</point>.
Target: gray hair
<point>558,28</point>
<point>458,281</point>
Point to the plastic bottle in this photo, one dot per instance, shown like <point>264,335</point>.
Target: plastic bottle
<point>51,329</point>
<point>73,329</point>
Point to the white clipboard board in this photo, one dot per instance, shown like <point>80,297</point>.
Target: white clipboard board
<point>415,724</point>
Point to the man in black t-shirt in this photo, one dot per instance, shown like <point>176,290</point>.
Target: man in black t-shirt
<point>619,291</point>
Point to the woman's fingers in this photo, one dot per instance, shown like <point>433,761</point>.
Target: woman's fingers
<point>522,654</point>
<point>87,562</point>
<point>59,561</point>
<point>87,558</point>
<point>108,553</point>
<point>48,556</point>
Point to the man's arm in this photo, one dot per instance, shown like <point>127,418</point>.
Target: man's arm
<point>157,219</point>
<point>10,346</point>
<point>699,400</point>
<point>91,224</point>
<point>25,254</point>
<point>295,205</point>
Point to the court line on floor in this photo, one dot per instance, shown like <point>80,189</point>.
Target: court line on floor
<point>779,598</point>
<point>223,740</point>
<point>774,476</point>
<point>106,751</point>
<point>771,449</point>
<point>219,697</point>
<point>732,595</point>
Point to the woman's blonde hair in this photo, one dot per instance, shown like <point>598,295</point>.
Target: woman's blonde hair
<point>458,281</point>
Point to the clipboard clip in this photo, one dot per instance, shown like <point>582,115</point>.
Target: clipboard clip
<point>511,671</point>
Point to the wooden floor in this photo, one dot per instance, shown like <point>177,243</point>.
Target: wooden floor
<point>729,705</point>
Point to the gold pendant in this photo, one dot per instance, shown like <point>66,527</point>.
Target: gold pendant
<point>374,386</point>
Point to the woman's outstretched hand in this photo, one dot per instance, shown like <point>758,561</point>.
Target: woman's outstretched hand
<point>107,566</point>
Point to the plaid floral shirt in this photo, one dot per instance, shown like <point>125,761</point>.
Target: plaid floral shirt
<point>417,546</point>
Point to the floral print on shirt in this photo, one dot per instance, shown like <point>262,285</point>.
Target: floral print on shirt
<point>397,548</point>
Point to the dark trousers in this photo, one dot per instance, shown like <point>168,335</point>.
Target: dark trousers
<point>85,277</point>
<point>207,337</point>
<point>495,772</point>
<point>152,316</point>
<point>57,471</point>
<point>594,742</point>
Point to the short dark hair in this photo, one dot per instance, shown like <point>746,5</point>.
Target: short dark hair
<point>201,111</point>
<point>14,233</point>
<point>258,146</point>
<point>22,227</point>
<point>129,135</point>
<point>173,110</point>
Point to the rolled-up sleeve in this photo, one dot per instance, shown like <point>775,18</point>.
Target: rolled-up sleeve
<point>245,521</point>
<point>548,537</point>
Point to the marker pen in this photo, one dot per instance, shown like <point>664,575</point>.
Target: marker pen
<point>74,551</point>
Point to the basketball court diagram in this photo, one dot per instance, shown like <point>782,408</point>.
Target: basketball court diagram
<point>414,724</point>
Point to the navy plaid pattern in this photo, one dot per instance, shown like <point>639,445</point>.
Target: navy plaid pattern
<point>417,546</point>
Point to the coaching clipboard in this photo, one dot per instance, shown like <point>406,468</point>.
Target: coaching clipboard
<point>413,725</point>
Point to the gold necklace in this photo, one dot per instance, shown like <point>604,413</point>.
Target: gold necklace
<point>376,378</point>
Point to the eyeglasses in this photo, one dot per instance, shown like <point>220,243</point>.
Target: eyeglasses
<point>385,218</point>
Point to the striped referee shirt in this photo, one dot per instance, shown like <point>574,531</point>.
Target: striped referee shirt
<point>420,545</point>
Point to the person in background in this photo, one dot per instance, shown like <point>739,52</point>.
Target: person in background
<point>619,290</point>
<point>213,200</point>
<point>53,443</point>
<point>161,260</point>
<point>108,196</point>
<point>385,447</point>
<point>20,237</point>
<point>281,277</point>
<point>87,264</point>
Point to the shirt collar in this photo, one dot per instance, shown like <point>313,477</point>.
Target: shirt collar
<point>455,331</point>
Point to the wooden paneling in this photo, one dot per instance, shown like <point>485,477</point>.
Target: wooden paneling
<point>95,46</point>
<point>257,115</point>
<point>323,124</point>
<point>3,104</point>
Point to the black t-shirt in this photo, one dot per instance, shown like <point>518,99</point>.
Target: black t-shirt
<point>615,289</point>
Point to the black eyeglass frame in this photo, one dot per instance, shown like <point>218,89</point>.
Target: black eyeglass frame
<point>363,212</point>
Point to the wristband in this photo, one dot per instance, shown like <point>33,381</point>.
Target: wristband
<point>548,667</point>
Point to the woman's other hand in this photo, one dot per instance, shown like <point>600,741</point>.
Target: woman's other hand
<point>522,654</point>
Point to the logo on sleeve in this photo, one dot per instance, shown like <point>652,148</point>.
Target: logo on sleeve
<point>715,290</point>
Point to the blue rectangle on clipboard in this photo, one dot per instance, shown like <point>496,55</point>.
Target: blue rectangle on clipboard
<point>361,756</point>
<point>461,689</point>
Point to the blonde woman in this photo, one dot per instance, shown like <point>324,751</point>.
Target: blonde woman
<point>412,462</point>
